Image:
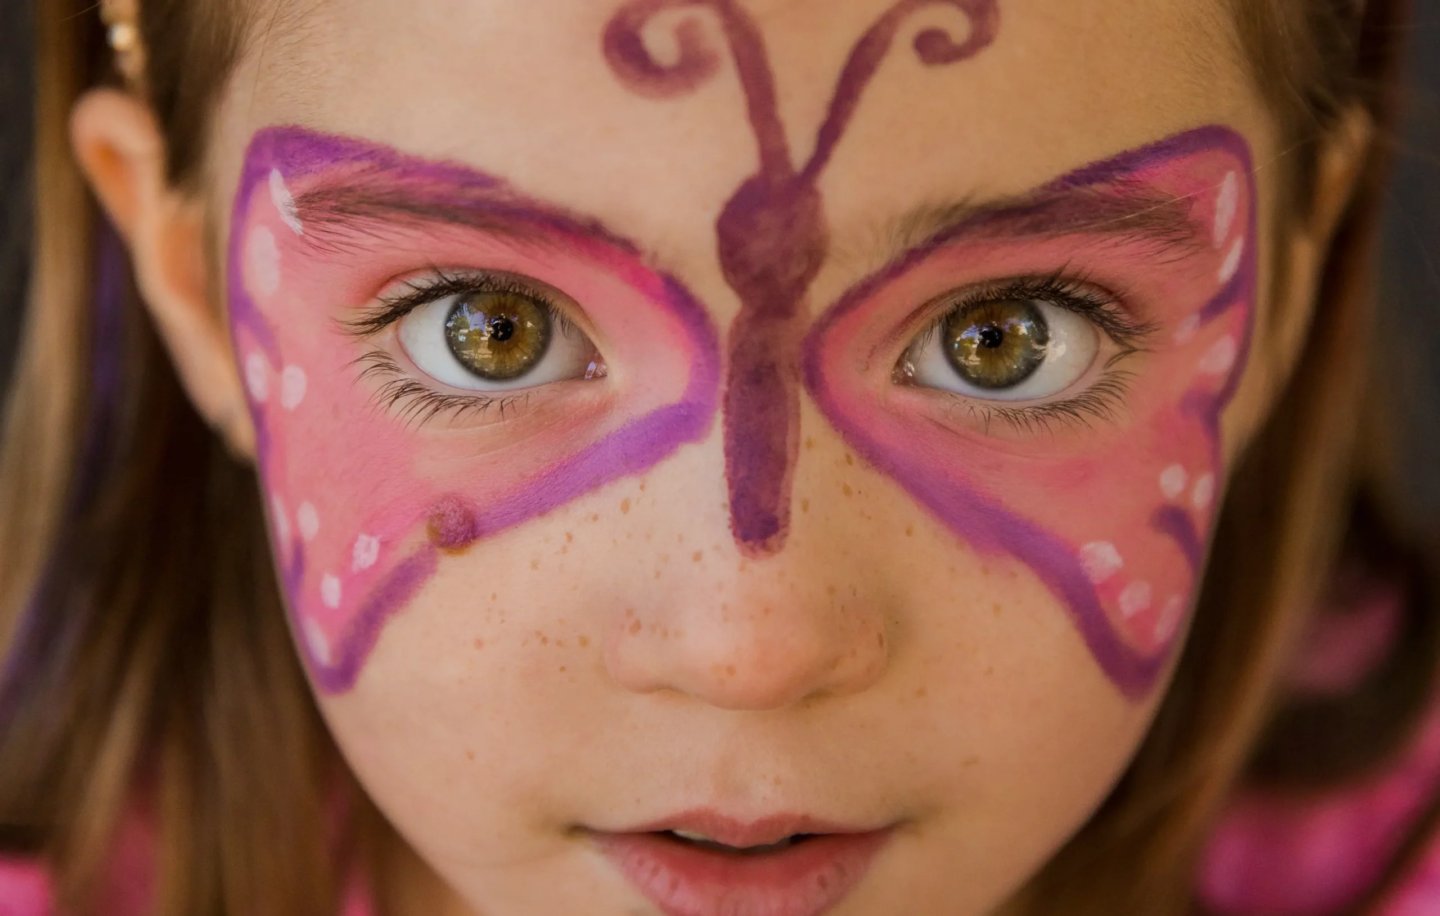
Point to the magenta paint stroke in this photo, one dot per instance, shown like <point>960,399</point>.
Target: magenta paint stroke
<point>1060,505</point>
<point>772,235</point>
<point>356,554</point>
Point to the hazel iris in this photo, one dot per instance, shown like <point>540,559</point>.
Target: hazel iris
<point>499,335</point>
<point>996,344</point>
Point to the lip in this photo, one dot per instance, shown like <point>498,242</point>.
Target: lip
<point>806,879</point>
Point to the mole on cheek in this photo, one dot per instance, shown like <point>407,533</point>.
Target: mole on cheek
<point>452,525</point>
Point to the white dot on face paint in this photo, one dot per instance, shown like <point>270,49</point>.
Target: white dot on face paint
<point>308,520</point>
<point>366,552</point>
<point>1100,560</point>
<point>280,519</point>
<point>264,257</point>
<point>1204,493</point>
<point>292,387</point>
<point>1173,480</point>
<point>1231,265</point>
<point>315,639</point>
<point>1185,331</point>
<point>1220,358</point>
<point>1169,618</point>
<point>1227,203</point>
<point>284,202</point>
<point>257,377</point>
<point>1135,598</point>
<point>330,591</point>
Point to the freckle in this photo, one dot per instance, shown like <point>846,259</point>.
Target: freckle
<point>697,556</point>
<point>996,610</point>
<point>657,573</point>
<point>665,558</point>
<point>830,590</point>
<point>909,531</point>
<point>765,612</point>
<point>569,538</point>
<point>534,564</point>
<point>849,459</point>
<point>584,642</point>
<point>989,670</point>
<point>804,505</point>
<point>642,486</point>
<point>921,692</point>
<point>595,517</point>
<point>564,549</point>
<point>971,761</point>
<point>494,596</point>
<point>730,670</point>
<point>479,643</point>
<point>625,506</point>
<point>634,627</point>
<point>470,755</point>
<point>562,669</point>
<point>846,490</point>
<point>629,612</point>
<point>880,640</point>
<point>809,443</point>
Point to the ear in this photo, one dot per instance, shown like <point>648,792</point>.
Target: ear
<point>1338,168</point>
<point>119,147</point>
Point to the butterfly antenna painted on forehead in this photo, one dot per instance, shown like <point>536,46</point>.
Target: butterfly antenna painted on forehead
<point>697,62</point>
<point>935,47</point>
<point>772,236</point>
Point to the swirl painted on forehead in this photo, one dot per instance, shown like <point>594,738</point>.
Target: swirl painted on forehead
<point>1113,522</point>
<point>772,235</point>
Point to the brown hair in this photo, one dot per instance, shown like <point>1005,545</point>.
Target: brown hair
<point>149,661</point>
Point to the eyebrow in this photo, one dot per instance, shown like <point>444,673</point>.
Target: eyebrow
<point>474,201</point>
<point>1111,211</point>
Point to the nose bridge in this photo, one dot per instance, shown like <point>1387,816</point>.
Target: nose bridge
<point>768,636</point>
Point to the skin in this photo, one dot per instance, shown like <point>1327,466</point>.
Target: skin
<point>608,643</point>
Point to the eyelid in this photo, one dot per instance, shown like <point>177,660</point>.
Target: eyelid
<point>1063,289</point>
<point>437,283</point>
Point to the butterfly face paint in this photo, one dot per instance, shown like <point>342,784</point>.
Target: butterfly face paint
<point>1112,513</point>
<point>363,500</point>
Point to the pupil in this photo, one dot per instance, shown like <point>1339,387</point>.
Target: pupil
<point>991,336</point>
<point>502,329</point>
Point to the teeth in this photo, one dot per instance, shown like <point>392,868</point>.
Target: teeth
<point>703,840</point>
<point>692,837</point>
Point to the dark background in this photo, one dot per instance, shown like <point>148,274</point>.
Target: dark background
<point>1409,320</point>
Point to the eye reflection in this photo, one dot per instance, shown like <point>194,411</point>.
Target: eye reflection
<point>996,344</point>
<point>1008,348</point>
<point>498,335</point>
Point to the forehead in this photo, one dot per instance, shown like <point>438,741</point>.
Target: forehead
<point>523,90</point>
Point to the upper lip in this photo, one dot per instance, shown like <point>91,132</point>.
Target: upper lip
<point>742,834</point>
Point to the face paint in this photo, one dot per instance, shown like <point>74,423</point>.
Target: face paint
<point>1112,517</point>
<point>362,500</point>
<point>772,235</point>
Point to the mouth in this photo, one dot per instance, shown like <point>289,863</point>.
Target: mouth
<point>704,864</point>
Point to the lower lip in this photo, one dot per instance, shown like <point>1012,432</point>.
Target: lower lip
<point>806,879</point>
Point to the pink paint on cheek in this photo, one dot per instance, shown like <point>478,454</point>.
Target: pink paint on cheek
<point>362,502</point>
<point>1113,517</point>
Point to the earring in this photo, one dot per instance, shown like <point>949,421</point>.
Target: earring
<point>123,34</point>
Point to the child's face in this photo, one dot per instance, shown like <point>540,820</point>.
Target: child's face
<point>624,480</point>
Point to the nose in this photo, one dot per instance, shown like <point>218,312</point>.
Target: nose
<point>767,637</point>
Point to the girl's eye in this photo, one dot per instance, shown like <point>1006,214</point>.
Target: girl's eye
<point>1007,349</point>
<point>495,340</point>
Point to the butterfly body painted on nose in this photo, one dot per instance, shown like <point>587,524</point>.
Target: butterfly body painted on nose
<point>772,235</point>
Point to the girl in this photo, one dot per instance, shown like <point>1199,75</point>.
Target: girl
<point>673,456</point>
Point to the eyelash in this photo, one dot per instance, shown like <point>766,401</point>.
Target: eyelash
<point>416,402</point>
<point>1101,399</point>
<point>412,400</point>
